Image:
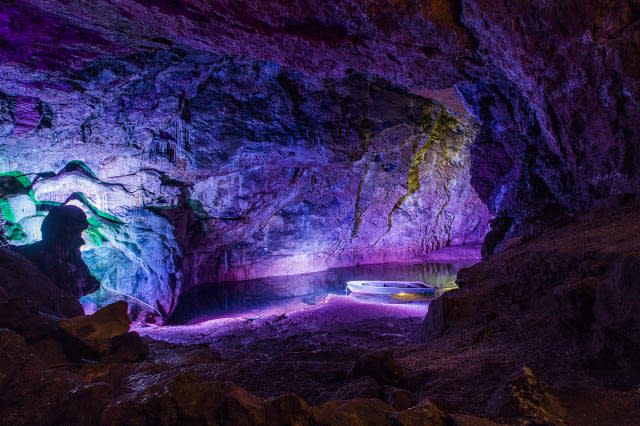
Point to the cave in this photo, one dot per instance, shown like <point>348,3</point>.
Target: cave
<point>187,189</point>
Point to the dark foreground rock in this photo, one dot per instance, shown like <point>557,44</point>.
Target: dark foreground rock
<point>31,393</point>
<point>30,303</point>
<point>564,304</point>
<point>523,396</point>
<point>556,304</point>
<point>105,334</point>
<point>58,254</point>
<point>381,366</point>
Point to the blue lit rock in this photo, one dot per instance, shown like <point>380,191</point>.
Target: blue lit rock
<point>195,168</point>
<point>21,206</point>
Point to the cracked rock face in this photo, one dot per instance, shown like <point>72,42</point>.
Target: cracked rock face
<point>201,168</point>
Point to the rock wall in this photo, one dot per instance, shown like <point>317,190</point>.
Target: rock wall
<point>198,168</point>
<point>553,87</point>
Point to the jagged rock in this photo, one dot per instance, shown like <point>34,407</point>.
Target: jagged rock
<point>58,254</point>
<point>617,315</point>
<point>465,420</point>
<point>324,187</point>
<point>523,396</point>
<point>363,387</point>
<point>518,72</point>
<point>12,356</point>
<point>400,399</point>
<point>32,394</point>
<point>85,403</point>
<point>29,302</point>
<point>288,409</point>
<point>50,349</point>
<point>127,348</point>
<point>434,322</point>
<point>425,413</point>
<point>104,334</point>
<point>381,366</point>
<point>499,228</point>
<point>187,399</point>
<point>355,412</point>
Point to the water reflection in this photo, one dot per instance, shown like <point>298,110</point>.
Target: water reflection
<point>253,297</point>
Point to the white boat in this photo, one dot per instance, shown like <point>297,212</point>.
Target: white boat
<point>390,288</point>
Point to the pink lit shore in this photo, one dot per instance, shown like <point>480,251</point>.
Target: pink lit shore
<point>336,313</point>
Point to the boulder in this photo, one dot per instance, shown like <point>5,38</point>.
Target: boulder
<point>353,412</point>
<point>400,399</point>
<point>30,303</point>
<point>127,348</point>
<point>363,387</point>
<point>523,396</point>
<point>425,413</point>
<point>287,409</point>
<point>434,322</point>
<point>617,315</point>
<point>13,355</point>
<point>58,254</point>
<point>105,334</point>
<point>381,366</point>
<point>188,399</point>
<point>32,394</point>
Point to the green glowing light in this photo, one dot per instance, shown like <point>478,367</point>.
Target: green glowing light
<point>14,232</point>
<point>102,214</point>
<point>5,210</point>
<point>78,164</point>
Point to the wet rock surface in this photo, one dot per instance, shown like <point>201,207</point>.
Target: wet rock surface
<point>559,121</point>
<point>535,305</point>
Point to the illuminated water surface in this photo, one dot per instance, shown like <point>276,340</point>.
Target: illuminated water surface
<point>279,295</point>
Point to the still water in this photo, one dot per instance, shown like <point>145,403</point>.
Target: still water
<point>254,298</point>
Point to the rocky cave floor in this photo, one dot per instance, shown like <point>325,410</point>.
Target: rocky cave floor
<point>544,332</point>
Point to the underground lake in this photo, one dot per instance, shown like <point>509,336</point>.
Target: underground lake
<point>280,295</point>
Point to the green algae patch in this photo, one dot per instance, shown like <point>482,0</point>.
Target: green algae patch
<point>439,128</point>
<point>5,210</point>
<point>198,208</point>
<point>95,232</point>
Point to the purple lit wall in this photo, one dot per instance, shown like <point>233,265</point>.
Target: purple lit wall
<point>200,168</point>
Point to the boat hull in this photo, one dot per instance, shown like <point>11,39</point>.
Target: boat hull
<point>390,288</point>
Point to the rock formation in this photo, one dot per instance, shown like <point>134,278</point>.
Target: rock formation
<point>274,173</point>
<point>58,254</point>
